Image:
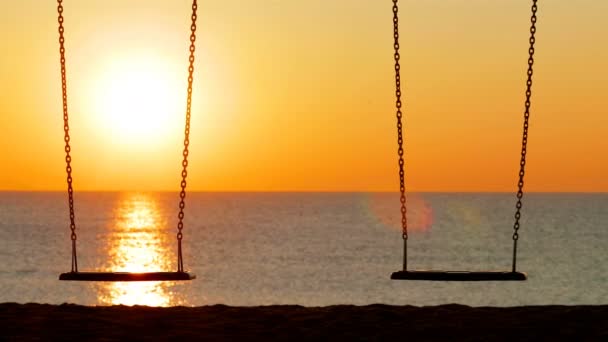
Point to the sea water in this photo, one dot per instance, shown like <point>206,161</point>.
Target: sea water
<point>311,249</point>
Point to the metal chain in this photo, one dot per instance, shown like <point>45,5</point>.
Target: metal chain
<point>182,194</point>
<point>522,163</point>
<point>66,137</point>
<point>398,105</point>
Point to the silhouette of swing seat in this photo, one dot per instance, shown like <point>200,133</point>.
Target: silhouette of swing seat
<point>437,275</point>
<point>126,276</point>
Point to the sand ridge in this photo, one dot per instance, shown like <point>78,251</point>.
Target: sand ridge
<point>282,323</point>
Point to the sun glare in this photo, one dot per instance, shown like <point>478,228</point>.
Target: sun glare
<point>138,101</point>
<point>139,244</point>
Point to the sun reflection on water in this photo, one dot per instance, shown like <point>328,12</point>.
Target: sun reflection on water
<point>138,242</point>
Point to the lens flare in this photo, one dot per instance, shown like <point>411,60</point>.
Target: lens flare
<point>386,208</point>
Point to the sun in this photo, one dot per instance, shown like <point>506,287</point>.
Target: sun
<point>137,101</point>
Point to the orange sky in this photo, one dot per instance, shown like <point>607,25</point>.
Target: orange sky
<point>297,95</point>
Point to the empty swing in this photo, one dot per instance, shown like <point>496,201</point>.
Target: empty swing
<point>75,274</point>
<point>440,275</point>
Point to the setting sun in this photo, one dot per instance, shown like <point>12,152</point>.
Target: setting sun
<point>137,100</point>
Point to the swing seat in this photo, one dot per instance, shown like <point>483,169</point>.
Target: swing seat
<point>437,275</point>
<point>126,276</point>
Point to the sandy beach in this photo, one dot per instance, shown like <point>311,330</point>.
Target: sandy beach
<point>344,322</point>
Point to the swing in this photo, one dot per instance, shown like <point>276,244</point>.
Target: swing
<point>439,275</point>
<point>74,274</point>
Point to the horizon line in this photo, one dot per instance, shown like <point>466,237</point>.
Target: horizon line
<point>309,191</point>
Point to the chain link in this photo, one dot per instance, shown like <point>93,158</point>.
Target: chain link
<point>66,131</point>
<point>182,194</point>
<point>398,105</point>
<point>524,144</point>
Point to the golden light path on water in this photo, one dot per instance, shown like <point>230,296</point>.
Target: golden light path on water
<point>139,241</point>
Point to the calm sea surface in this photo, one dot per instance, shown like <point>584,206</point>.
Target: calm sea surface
<point>304,248</point>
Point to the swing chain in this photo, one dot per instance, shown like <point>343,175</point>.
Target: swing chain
<point>66,137</point>
<point>398,105</point>
<point>182,194</point>
<point>520,184</point>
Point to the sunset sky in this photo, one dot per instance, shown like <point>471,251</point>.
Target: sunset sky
<point>298,95</point>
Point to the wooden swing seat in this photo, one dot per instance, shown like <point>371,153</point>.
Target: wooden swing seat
<point>437,275</point>
<point>126,276</point>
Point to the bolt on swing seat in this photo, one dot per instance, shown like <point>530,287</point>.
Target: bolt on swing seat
<point>439,275</point>
<point>75,275</point>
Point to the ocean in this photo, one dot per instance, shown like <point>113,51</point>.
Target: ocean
<point>311,249</point>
